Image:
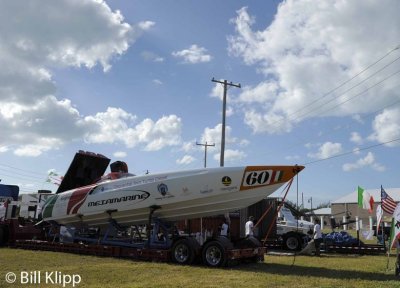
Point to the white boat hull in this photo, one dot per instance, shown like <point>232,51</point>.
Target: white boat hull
<point>178,195</point>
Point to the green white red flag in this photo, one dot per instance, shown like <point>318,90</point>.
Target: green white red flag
<point>365,200</point>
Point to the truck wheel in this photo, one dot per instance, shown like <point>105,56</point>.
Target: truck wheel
<point>183,252</point>
<point>214,254</point>
<point>292,242</point>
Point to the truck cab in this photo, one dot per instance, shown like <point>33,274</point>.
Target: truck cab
<point>292,231</point>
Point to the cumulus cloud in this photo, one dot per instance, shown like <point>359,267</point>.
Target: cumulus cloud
<point>307,51</point>
<point>213,135</point>
<point>231,155</point>
<point>120,154</point>
<point>193,55</point>
<point>39,38</point>
<point>367,161</point>
<point>157,81</point>
<point>386,127</point>
<point>115,125</point>
<point>356,138</point>
<point>327,150</point>
<point>185,160</point>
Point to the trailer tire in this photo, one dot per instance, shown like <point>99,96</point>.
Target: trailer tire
<point>183,251</point>
<point>292,242</point>
<point>214,253</point>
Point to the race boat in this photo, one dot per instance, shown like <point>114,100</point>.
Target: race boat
<point>171,196</point>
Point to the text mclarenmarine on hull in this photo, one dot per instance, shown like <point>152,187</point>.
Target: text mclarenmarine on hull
<point>178,195</point>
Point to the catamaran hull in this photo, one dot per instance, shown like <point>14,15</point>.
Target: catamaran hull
<point>177,195</point>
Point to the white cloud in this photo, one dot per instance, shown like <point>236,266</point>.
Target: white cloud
<point>327,150</point>
<point>213,135</point>
<point>193,55</point>
<point>187,159</point>
<point>367,161</point>
<point>270,122</point>
<point>3,149</point>
<point>157,82</point>
<point>218,91</point>
<point>189,146</point>
<point>231,155</point>
<point>264,93</point>
<point>386,127</point>
<point>307,51</point>
<point>120,154</point>
<point>356,138</point>
<point>40,39</point>
<point>115,125</point>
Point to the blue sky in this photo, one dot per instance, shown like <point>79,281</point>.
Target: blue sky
<point>132,80</point>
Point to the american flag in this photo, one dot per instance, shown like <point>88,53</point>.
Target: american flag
<point>388,204</point>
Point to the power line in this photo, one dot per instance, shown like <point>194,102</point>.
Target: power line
<point>24,170</point>
<point>362,92</point>
<point>23,177</point>
<point>350,79</point>
<point>339,86</point>
<point>351,152</point>
<point>351,88</point>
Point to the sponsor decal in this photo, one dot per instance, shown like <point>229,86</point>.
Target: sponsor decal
<point>77,199</point>
<point>226,180</point>
<point>150,180</point>
<point>137,196</point>
<point>48,206</point>
<point>259,178</point>
<point>206,190</point>
<point>163,189</point>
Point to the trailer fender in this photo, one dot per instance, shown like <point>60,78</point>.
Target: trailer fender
<point>248,242</point>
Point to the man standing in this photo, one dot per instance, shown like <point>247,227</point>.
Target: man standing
<point>224,229</point>
<point>317,236</point>
<point>249,227</point>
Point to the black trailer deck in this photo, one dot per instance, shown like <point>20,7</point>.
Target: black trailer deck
<point>147,254</point>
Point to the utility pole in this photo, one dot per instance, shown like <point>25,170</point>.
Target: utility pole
<point>310,200</point>
<point>205,151</point>
<point>226,84</point>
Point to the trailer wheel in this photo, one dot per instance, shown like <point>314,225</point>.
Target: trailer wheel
<point>292,242</point>
<point>214,254</point>
<point>183,252</point>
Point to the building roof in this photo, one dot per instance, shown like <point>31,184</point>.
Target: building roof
<point>375,193</point>
<point>322,211</point>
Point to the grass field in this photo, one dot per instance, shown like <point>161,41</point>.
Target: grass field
<point>277,271</point>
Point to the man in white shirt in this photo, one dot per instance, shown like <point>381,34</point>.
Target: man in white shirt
<point>224,229</point>
<point>317,237</point>
<point>249,227</point>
